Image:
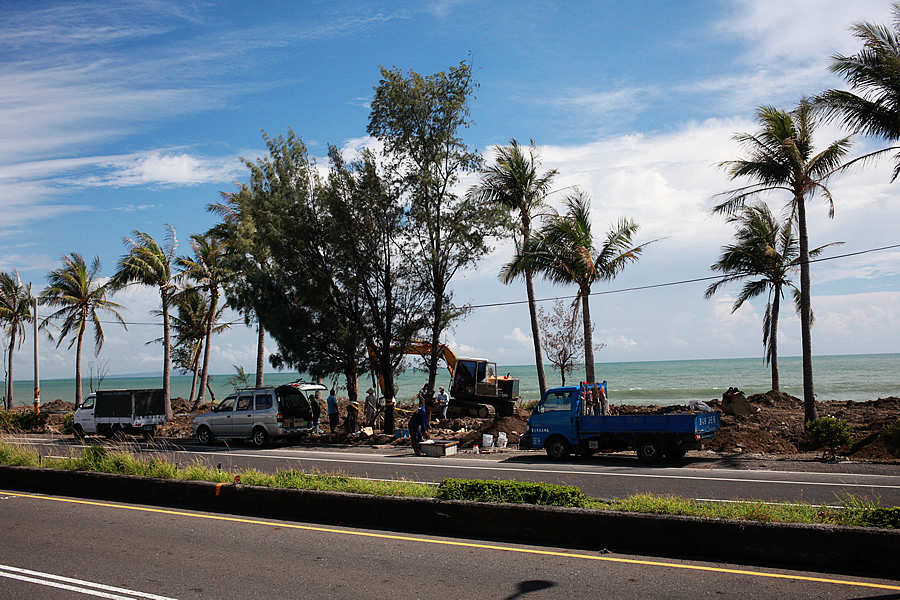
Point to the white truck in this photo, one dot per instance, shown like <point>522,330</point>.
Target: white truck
<point>117,412</point>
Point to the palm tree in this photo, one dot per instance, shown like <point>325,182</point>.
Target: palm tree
<point>780,157</point>
<point>564,251</point>
<point>149,263</point>
<point>207,270</point>
<point>190,324</point>
<point>874,74</point>
<point>238,231</point>
<point>15,311</point>
<point>766,253</point>
<point>514,183</point>
<point>79,298</point>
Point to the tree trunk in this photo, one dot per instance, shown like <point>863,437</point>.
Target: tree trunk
<point>167,353</point>
<point>809,394</point>
<point>260,355</point>
<point>536,333</point>
<point>589,375</point>
<point>78,396</point>
<point>204,374</point>
<point>194,371</point>
<point>9,377</point>
<point>773,338</point>
<point>352,377</point>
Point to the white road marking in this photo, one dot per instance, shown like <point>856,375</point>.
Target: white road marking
<point>556,472</point>
<point>75,585</point>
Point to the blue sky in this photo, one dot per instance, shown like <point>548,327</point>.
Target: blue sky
<point>119,116</point>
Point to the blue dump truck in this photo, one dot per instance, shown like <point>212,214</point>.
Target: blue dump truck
<point>570,419</point>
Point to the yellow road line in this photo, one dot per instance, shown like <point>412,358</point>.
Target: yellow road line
<point>387,536</point>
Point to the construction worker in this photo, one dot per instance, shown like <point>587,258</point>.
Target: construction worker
<point>418,426</point>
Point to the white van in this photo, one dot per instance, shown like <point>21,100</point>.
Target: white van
<point>115,412</point>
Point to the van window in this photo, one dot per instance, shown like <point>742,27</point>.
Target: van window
<point>558,401</point>
<point>226,405</point>
<point>245,402</point>
<point>263,401</point>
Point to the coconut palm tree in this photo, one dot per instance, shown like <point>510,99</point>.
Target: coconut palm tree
<point>238,231</point>
<point>79,299</point>
<point>207,270</point>
<point>149,263</point>
<point>780,157</point>
<point>765,254</point>
<point>564,251</point>
<point>514,183</point>
<point>15,311</point>
<point>872,106</point>
<point>189,325</point>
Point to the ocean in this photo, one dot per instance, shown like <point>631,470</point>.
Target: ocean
<point>851,377</point>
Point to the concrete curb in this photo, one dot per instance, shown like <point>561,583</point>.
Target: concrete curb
<point>847,549</point>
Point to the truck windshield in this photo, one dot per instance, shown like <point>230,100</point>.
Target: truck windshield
<point>557,401</point>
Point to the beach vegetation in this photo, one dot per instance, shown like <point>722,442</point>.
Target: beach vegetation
<point>831,434</point>
<point>564,251</point>
<point>16,310</point>
<point>891,436</point>
<point>514,182</point>
<point>764,255</point>
<point>150,263</point>
<point>781,156</point>
<point>79,300</point>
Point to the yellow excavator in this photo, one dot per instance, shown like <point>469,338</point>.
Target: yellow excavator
<point>474,383</point>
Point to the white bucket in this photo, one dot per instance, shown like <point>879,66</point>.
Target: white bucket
<point>487,440</point>
<point>501,439</point>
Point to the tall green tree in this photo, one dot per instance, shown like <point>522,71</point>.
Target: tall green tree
<point>781,157</point>
<point>764,255</point>
<point>239,232</point>
<point>564,251</point>
<point>15,312</point>
<point>872,105</point>
<point>150,263</point>
<point>208,271</point>
<point>79,299</point>
<point>420,119</point>
<point>513,182</point>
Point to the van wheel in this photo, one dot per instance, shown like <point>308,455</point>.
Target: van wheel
<point>204,435</point>
<point>558,448</point>
<point>260,437</point>
<point>117,433</point>
<point>78,432</point>
<point>649,450</point>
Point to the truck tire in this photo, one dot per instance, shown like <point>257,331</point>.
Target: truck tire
<point>558,448</point>
<point>78,432</point>
<point>148,434</point>
<point>649,450</point>
<point>260,437</point>
<point>204,435</point>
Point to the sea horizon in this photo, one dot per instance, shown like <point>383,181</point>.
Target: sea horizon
<point>858,377</point>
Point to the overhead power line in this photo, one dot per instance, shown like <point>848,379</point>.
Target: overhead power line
<point>620,290</point>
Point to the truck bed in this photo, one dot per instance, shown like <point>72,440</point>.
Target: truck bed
<point>686,422</point>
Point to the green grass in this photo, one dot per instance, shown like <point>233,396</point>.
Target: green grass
<point>853,510</point>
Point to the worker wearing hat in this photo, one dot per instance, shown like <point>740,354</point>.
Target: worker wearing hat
<point>443,401</point>
<point>371,407</point>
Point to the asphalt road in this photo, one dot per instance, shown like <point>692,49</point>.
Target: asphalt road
<point>599,476</point>
<point>54,547</point>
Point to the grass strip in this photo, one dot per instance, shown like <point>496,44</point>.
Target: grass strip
<point>853,510</point>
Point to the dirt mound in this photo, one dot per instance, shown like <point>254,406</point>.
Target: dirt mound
<point>60,405</point>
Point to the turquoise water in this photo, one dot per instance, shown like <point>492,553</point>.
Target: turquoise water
<point>852,377</point>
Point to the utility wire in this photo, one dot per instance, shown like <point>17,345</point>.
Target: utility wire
<point>621,290</point>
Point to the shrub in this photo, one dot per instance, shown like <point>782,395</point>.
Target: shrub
<point>891,437</point>
<point>68,420</point>
<point>22,421</point>
<point>830,433</point>
<point>522,492</point>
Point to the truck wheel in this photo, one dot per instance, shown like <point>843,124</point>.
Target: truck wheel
<point>649,450</point>
<point>204,435</point>
<point>558,448</point>
<point>148,434</point>
<point>78,432</point>
<point>675,453</point>
<point>260,437</point>
<point>117,433</point>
